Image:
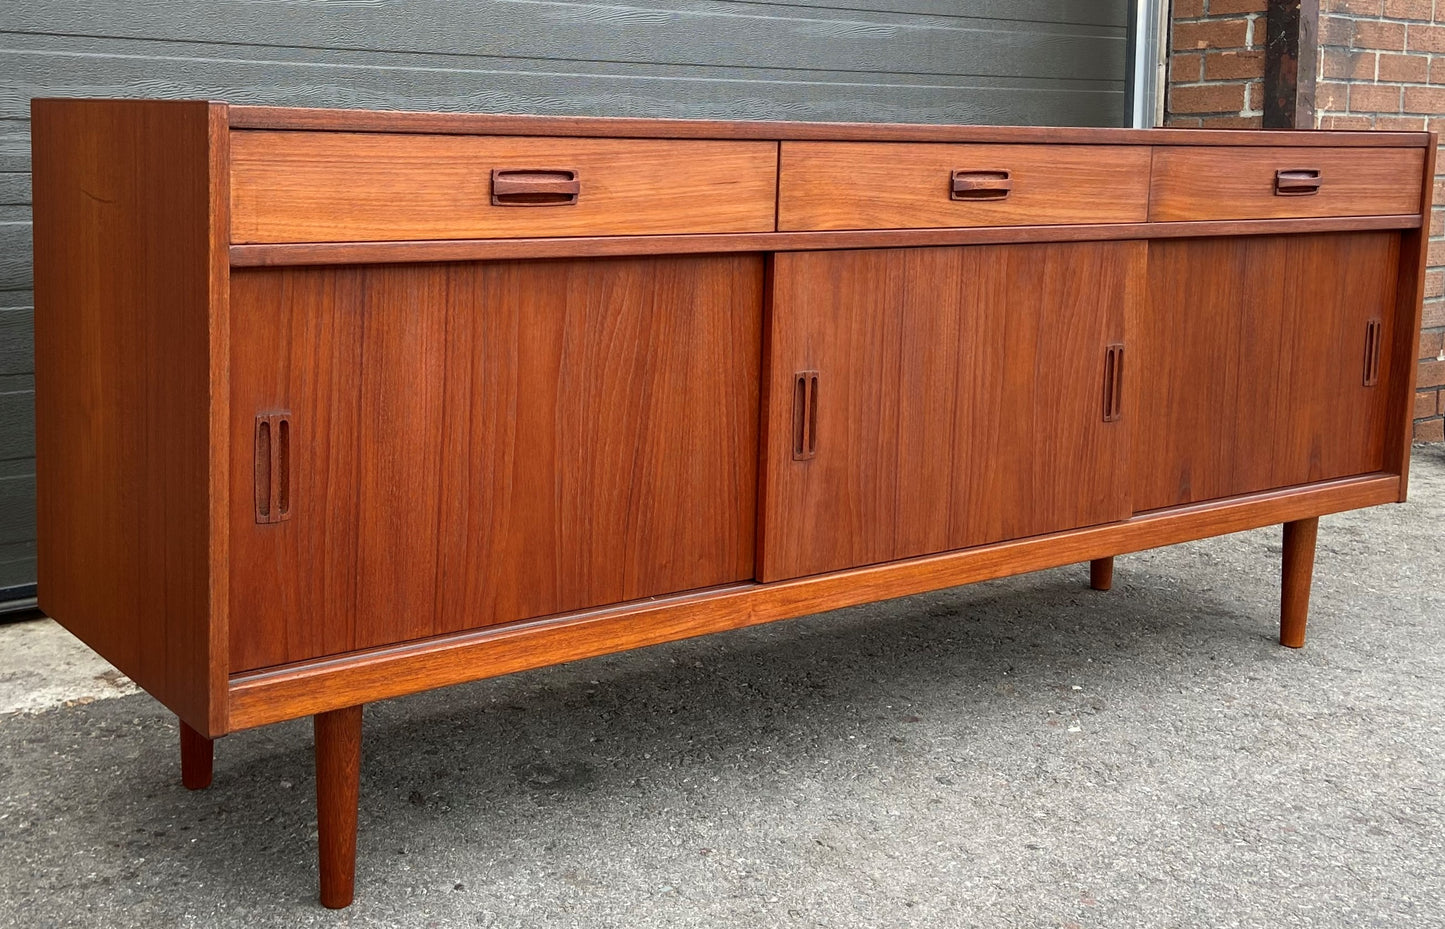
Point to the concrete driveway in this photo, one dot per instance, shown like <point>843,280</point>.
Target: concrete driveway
<point>1022,753</point>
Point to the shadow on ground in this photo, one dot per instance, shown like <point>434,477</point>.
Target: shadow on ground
<point>1020,753</point>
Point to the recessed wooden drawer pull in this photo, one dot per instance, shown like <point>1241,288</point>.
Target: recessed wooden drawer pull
<point>1374,329</point>
<point>1113,382</point>
<point>1297,182</point>
<point>535,187</point>
<point>805,415</point>
<point>273,467</point>
<point>981,185</point>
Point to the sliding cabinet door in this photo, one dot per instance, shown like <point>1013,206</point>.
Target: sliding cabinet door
<point>920,400</point>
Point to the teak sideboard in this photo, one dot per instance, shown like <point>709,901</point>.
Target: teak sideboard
<point>335,406</point>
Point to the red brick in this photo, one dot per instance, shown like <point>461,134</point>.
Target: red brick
<point>1256,96</point>
<point>1431,341</point>
<point>1336,30</point>
<point>1425,100</point>
<point>1435,283</point>
<point>1221,7</point>
<point>1188,9</point>
<point>1430,430</point>
<point>1425,403</point>
<point>1400,123</point>
<point>1374,98</point>
<point>1347,63</point>
<point>1234,122</point>
<point>1408,69</point>
<point>1214,33</point>
<point>1352,7</point>
<point>1408,9</point>
<point>1431,374</point>
<point>1435,255</point>
<point>1437,222</point>
<point>1186,67</point>
<point>1225,66</point>
<point>1207,98</point>
<point>1332,95</point>
<point>1426,38</point>
<point>1381,36</point>
<point>1433,313</point>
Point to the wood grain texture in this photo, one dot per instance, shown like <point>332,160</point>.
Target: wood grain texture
<point>338,790</point>
<point>863,185</point>
<point>959,402</point>
<point>197,759</point>
<point>1101,573</point>
<point>1250,364</point>
<point>313,253</point>
<point>357,120</point>
<point>323,187</point>
<point>257,699</point>
<point>1409,309</point>
<point>129,294</point>
<point>478,443</point>
<point>1297,571</point>
<point>1190,183</point>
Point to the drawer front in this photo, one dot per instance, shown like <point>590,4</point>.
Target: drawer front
<point>370,187</point>
<point>1283,183</point>
<point>843,185</point>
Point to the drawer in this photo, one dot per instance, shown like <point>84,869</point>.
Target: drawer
<point>368,187</point>
<point>844,185</point>
<point>1231,182</point>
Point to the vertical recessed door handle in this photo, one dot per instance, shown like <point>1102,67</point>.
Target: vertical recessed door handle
<point>1113,382</point>
<point>805,415</point>
<point>1374,335</point>
<point>273,467</point>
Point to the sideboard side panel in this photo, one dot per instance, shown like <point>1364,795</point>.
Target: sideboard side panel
<point>125,279</point>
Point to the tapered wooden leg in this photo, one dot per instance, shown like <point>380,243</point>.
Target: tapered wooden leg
<point>1101,573</point>
<point>196,755</point>
<point>338,787</point>
<point>1299,567</point>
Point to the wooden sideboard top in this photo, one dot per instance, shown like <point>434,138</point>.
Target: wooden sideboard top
<point>358,120</point>
<point>339,120</point>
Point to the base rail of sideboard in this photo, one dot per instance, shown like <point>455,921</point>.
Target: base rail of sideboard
<point>304,689</point>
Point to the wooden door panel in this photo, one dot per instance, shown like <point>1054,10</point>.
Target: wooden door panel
<point>1249,364</point>
<point>480,443</point>
<point>960,397</point>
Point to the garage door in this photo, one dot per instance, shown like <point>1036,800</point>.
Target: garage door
<point>1031,62</point>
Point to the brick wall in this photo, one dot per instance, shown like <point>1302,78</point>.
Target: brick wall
<point>1216,64</point>
<point>1380,65</point>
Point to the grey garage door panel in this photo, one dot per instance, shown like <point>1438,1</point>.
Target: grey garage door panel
<point>17,502</point>
<point>17,416</point>
<point>679,33</point>
<point>17,325</point>
<point>84,16</point>
<point>17,564</point>
<point>801,96</point>
<point>15,271</point>
<point>14,188</point>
